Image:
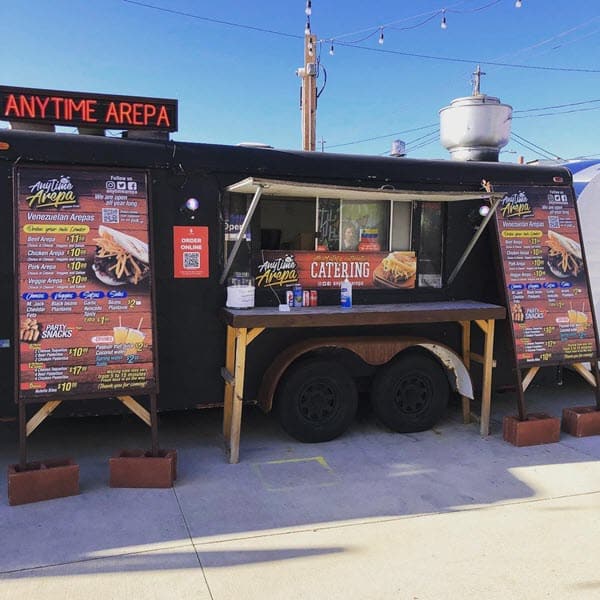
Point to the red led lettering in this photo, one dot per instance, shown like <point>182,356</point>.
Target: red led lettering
<point>149,112</point>
<point>125,112</point>
<point>58,102</point>
<point>42,105</point>
<point>28,106</point>
<point>11,106</point>
<point>137,113</point>
<point>111,114</point>
<point>163,116</point>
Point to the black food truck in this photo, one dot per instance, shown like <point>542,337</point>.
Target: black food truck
<point>118,257</point>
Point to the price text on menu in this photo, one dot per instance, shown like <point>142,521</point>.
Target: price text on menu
<point>85,315</point>
<point>544,276</point>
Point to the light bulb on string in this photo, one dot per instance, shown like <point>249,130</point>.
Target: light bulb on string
<point>444,24</point>
<point>381,36</point>
<point>518,4</point>
<point>310,48</point>
<point>308,9</point>
<point>307,28</point>
<point>331,51</point>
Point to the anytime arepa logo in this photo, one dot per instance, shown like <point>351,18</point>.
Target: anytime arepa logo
<point>52,193</point>
<point>516,206</point>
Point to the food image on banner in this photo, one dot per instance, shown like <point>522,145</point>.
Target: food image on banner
<point>544,273</point>
<point>323,270</point>
<point>85,315</point>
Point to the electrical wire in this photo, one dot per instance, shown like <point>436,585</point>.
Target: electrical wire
<point>558,112</point>
<point>470,61</point>
<point>520,139</point>
<point>403,20</point>
<point>381,137</point>
<point>556,106</point>
<point>336,39</point>
<point>217,21</point>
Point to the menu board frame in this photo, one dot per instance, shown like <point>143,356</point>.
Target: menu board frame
<point>534,254</point>
<point>129,349</point>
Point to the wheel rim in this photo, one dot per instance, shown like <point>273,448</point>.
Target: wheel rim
<point>318,401</point>
<point>413,394</point>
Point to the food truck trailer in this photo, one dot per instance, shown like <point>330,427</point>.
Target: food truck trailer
<point>124,252</point>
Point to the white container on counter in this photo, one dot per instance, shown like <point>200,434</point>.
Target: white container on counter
<point>240,291</point>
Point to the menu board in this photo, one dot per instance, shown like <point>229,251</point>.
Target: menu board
<point>85,314</point>
<point>544,276</point>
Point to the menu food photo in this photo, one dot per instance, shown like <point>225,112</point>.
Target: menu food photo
<point>85,311</point>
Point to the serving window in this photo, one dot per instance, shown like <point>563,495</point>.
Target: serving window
<point>321,234</point>
<point>334,224</point>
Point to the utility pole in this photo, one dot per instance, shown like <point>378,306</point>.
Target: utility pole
<point>308,74</point>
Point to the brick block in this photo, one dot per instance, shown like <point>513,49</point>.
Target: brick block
<point>538,428</point>
<point>139,469</point>
<point>581,421</point>
<point>43,480</point>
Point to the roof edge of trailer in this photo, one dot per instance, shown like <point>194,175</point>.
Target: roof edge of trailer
<point>359,169</point>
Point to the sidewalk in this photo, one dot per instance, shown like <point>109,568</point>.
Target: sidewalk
<point>442,514</point>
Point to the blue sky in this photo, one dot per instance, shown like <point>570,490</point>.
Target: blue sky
<point>236,84</point>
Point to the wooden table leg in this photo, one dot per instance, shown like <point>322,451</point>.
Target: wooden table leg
<point>488,361</point>
<point>238,394</point>
<point>466,352</point>
<point>228,388</point>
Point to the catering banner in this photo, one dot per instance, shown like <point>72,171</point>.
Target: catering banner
<point>544,276</point>
<point>84,311</point>
<point>322,270</point>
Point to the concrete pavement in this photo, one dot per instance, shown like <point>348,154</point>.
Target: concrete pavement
<point>441,514</point>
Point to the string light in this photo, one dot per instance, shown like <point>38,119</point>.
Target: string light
<point>381,36</point>
<point>308,9</point>
<point>307,28</point>
<point>331,51</point>
<point>518,4</point>
<point>444,24</point>
<point>310,48</point>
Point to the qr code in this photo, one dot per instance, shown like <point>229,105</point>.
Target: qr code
<point>110,215</point>
<point>191,260</point>
<point>554,222</point>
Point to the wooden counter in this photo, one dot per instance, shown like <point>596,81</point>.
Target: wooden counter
<point>245,325</point>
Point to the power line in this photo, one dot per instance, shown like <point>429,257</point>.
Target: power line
<point>521,139</point>
<point>217,21</point>
<point>557,106</point>
<point>350,45</point>
<point>470,61</point>
<point>558,112</point>
<point>524,110</point>
<point>380,137</point>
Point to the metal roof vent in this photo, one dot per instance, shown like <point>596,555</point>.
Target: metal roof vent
<point>475,127</point>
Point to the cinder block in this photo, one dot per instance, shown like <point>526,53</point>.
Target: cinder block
<point>538,428</point>
<point>581,421</point>
<point>42,480</point>
<point>139,469</point>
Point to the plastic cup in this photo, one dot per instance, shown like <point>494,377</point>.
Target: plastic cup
<point>120,334</point>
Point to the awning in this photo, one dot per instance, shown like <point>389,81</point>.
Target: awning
<point>297,189</point>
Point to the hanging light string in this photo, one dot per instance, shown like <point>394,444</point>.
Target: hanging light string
<point>337,39</point>
<point>429,16</point>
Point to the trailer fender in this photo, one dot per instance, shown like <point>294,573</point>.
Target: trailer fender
<point>458,375</point>
<point>372,350</point>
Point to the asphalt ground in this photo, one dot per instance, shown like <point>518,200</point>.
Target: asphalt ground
<point>442,514</point>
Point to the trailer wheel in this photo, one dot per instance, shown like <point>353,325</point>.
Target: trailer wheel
<point>317,400</point>
<point>410,393</point>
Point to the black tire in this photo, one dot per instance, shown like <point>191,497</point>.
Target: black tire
<point>410,393</point>
<point>316,400</point>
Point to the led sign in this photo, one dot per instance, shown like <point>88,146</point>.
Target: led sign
<point>87,110</point>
